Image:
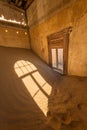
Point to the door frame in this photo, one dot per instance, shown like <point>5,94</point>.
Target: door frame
<point>58,40</point>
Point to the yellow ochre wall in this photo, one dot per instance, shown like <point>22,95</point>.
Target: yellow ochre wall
<point>50,16</point>
<point>14,37</point>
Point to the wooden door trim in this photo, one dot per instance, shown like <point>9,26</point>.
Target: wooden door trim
<point>60,39</point>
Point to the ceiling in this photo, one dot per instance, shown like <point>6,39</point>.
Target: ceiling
<point>23,4</point>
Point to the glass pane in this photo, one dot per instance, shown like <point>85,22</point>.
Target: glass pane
<point>60,59</point>
<point>54,58</point>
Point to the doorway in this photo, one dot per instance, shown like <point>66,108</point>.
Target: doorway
<point>58,50</point>
<point>57,59</point>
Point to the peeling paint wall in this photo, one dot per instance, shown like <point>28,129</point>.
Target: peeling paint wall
<point>77,63</point>
<point>78,48</point>
<point>13,30</point>
<point>47,17</point>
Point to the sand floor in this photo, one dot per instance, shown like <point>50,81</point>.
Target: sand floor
<point>34,97</point>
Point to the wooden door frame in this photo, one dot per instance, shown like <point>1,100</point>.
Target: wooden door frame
<point>60,39</point>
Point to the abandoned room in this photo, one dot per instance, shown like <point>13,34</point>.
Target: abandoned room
<point>43,64</point>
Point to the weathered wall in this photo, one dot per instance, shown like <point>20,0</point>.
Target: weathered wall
<point>44,20</point>
<point>14,37</point>
<point>13,30</point>
<point>47,17</point>
<point>78,46</point>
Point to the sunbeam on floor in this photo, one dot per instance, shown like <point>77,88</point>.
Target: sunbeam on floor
<point>36,85</point>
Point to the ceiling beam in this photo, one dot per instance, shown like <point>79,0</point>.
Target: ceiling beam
<point>23,4</point>
<point>28,3</point>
